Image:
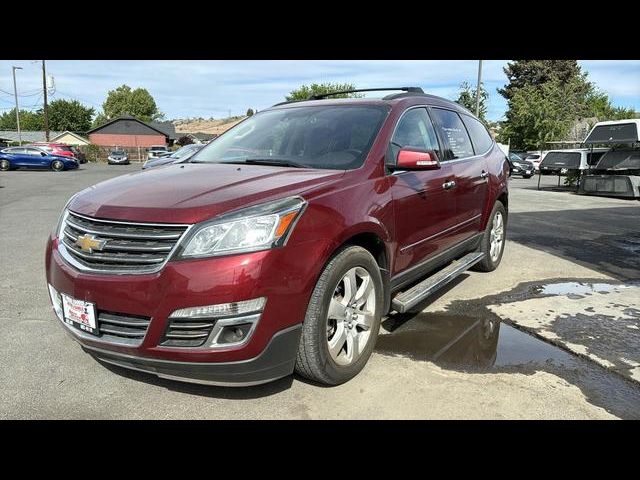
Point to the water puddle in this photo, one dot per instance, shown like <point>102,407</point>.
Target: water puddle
<point>483,344</point>
<point>466,343</point>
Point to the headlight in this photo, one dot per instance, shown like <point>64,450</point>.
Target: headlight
<point>249,230</point>
<point>517,164</point>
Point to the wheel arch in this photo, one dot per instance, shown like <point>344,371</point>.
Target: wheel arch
<point>373,238</point>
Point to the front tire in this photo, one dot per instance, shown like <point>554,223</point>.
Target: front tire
<point>5,165</point>
<point>493,239</point>
<point>343,318</point>
<point>57,166</point>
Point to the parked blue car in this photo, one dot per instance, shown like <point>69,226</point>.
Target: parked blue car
<point>33,157</point>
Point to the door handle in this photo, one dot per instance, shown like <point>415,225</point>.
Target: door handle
<point>484,174</point>
<point>449,185</point>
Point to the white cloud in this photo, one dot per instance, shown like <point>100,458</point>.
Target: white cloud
<point>212,88</point>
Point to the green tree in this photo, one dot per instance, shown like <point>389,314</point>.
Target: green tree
<point>598,105</point>
<point>125,101</point>
<point>100,119</point>
<point>184,140</point>
<point>250,112</point>
<point>546,98</point>
<point>541,113</point>
<point>69,115</point>
<point>306,91</point>
<point>467,98</point>
<point>522,73</point>
<point>28,120</point>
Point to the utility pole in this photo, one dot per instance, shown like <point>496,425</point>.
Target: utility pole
<point>478,88</point>
<point>15,93</point>
<point>46,107</point>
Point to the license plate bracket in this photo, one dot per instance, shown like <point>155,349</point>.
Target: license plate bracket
<point>80,314</point>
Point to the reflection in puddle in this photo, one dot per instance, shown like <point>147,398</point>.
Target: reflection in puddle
<point>466,343</point>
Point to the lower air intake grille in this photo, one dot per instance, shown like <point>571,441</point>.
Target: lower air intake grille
<point>187,332</point>
<point>119,328</point>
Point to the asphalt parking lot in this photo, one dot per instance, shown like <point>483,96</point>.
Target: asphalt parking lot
<point>553,333</point>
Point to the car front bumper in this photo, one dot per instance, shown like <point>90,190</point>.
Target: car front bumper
<point>522,171</point>
<point>284,276</point>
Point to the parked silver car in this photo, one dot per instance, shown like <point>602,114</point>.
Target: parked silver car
<point>156,151</point>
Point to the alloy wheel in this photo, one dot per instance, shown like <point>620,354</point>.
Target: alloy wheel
<point>350,316</point>
<point>496,237</point>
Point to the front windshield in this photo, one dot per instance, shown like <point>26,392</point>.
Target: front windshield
<point>327,137</point>
<point>117,152</point>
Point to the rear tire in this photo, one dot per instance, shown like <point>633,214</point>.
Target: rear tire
<point>493,239</point>
<point>5,165</point>
<point>57,166</point>
<point>343,318</point>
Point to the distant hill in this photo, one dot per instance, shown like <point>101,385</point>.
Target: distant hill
<point>200,125</point>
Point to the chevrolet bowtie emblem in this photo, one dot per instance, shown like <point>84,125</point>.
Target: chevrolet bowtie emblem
<point>89,243</point>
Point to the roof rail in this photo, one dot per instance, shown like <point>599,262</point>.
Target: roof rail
<point>342,92</point>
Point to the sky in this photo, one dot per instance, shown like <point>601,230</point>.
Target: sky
<point>217,88</point>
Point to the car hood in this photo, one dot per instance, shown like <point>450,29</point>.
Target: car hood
<point>191,193</point>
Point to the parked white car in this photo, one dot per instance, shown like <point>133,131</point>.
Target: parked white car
<point>535,157</point>
<point>156,151</point>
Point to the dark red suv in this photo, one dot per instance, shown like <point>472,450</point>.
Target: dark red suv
<point>281,245</point>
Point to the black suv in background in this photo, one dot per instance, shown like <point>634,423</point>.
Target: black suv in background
<point>519,166</point>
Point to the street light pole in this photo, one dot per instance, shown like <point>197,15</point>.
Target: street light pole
<point>46,107</point>
<point>15,93</point>
<point>478,88</point>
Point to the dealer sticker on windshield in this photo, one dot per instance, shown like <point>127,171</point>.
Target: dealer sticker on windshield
<point>80,314</point>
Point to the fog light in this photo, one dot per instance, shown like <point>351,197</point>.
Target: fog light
<point>234,333</point>
<point>56,301</point>
<point>222,309</point>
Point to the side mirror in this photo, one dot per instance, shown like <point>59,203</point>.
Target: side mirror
<point>409,159</point>
<point>44,154</point>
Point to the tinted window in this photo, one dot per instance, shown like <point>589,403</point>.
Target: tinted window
<point>14,150</point>
<point>619,132</point>
<point>561,159</point>
<point>415,130</point>
<point>480,137</point>
<point>330,137</point>
<point>455,133</point>
<point>594,157</point>
<point>32,151</point>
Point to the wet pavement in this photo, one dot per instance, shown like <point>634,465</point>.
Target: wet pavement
<point>595,320</point>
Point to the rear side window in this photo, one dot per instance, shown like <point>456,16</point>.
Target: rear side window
<point>455,133</point>
<point>415,130</point>
<point>480,138</point>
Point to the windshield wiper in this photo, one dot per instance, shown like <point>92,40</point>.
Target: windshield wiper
<point>274,161</point>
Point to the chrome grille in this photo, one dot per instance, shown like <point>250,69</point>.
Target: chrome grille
<point>128,247</point>
<point>187,332</point>
<point>119,328</point>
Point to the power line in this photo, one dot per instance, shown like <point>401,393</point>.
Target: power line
<point>23,94</point>
<point>75,97</point>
